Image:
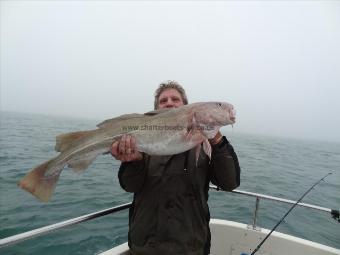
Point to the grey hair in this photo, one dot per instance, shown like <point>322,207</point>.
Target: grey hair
<point>170,84</point>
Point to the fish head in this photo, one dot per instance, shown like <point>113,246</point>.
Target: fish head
<point>211,116</point>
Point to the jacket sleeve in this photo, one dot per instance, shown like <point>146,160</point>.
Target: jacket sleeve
<point>224,168</point>
<point>132,174</point>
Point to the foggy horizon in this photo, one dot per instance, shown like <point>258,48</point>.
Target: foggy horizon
<point>226,130</point>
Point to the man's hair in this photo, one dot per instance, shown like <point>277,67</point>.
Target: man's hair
<point>170,84</point>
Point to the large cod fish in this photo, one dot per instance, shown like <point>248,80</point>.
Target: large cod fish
<point>160,132</point>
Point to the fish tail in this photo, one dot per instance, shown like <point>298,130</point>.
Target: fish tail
<point>38,184</point>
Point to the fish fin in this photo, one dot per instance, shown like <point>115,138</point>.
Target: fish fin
<point>79,165</point>
<point>155,112</point>
<point>197,152</point>
<point>189,133</point>
<point>114,121</point>
<point>207,148</point>
<point>38,184</point>
<point>68,140</point>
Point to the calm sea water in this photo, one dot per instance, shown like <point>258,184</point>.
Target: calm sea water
<point>274,166</point>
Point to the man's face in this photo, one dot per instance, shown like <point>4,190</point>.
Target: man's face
<point>170,98</point>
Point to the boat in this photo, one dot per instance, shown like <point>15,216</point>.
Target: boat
<point>227,237</point>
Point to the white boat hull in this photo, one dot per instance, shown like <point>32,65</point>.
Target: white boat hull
<point>233,238</point>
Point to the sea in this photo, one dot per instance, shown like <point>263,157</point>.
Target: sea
<point>276,166</point>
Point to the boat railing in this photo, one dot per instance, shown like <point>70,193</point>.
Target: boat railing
<point>333,212</point>
<point>46,229</point>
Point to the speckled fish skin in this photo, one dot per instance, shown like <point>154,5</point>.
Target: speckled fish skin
<point>161,132</point>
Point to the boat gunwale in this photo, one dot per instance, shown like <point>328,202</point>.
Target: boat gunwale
<point>49,228</point>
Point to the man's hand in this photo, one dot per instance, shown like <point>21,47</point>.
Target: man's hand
<point>125,150</point>
<point>217,139</point>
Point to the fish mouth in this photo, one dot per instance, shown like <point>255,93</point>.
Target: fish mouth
<point>229,120</point>
<point>232,115</point>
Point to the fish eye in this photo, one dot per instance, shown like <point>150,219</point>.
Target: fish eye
<point>219,104</point>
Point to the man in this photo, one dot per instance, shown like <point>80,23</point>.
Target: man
<point>170,213</point>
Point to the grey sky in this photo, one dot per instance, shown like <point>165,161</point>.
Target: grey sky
<point>277,62</point>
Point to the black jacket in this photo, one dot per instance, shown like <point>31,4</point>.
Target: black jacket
<point>170,213</point>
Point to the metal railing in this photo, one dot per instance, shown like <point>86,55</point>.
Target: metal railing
<point>44,230</point>
<point>258,196</point>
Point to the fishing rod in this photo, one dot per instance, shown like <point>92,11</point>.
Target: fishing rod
<point>259,246</point>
